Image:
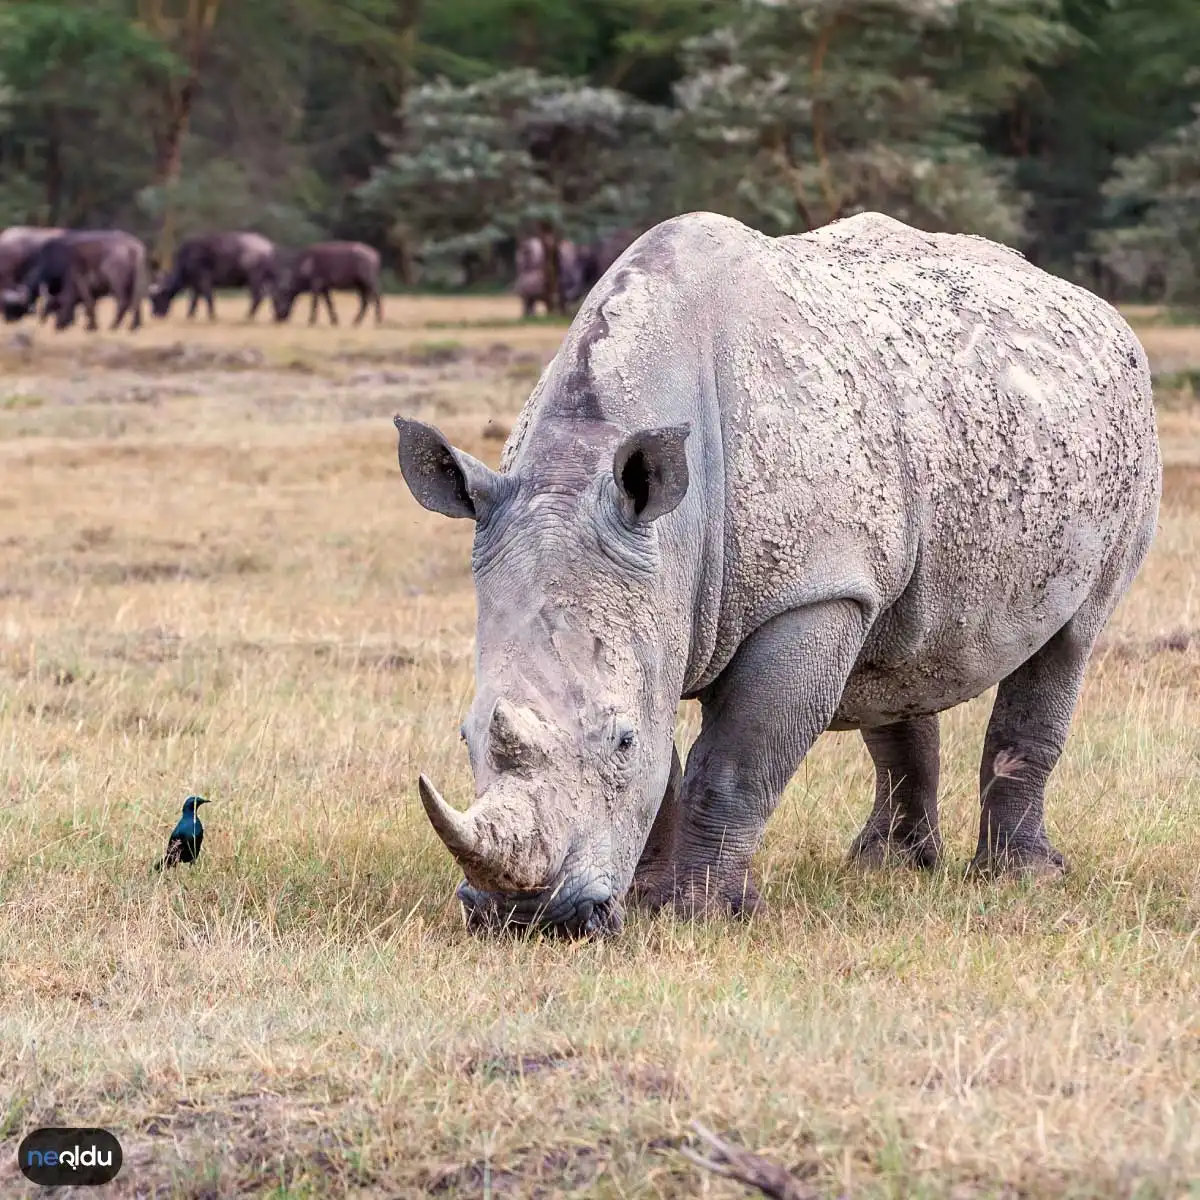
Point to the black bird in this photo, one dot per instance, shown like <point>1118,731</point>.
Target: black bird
<point>186,838</point>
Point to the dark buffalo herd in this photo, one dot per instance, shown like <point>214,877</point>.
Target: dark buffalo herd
<point>52,272</point>
<point>218,260</point>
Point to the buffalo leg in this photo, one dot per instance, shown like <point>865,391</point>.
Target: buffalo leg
<point>312,312</point>
<point>121,300</point>
<point>378,307</point>
<point>760,717</point>
<point>363,304</point>
<point>194,303</point>
<point>256,297</point>
<point>69,297</point>
<point>327,296</point>
<point>904,822</point>
<point>208,299</point>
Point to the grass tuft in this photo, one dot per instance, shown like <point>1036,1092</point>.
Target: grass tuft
<point>212,580</point>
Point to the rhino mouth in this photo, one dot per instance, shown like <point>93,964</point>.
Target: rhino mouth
<point>580,913</point>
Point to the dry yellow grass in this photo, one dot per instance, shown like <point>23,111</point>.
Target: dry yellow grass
<point>212,579</point>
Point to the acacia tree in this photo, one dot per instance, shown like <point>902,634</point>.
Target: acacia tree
<point>62,65</point>
<point>476,166</point>
<point>1152,249</point>
<point>803,111</point>
<point>186,28</point>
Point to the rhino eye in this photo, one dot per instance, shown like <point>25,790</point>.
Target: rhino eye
<point>626,741</point>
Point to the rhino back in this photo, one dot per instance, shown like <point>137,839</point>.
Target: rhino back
<point>927,424</point>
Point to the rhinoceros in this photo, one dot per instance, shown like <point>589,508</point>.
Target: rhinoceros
<point>842,480</point>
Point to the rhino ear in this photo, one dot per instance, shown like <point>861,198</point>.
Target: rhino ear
<point>651,472</point>
<point>442,479</point>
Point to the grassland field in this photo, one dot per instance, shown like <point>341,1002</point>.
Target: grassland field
<point>213,580</point>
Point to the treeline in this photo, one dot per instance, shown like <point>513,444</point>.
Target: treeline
<point>441,131</point>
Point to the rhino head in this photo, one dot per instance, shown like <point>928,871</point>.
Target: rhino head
<point>578,652</point>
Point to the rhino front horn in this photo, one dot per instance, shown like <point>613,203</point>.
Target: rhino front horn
<point>453,827</point>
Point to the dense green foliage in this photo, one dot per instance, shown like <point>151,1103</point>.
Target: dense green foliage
<point>440,132</point>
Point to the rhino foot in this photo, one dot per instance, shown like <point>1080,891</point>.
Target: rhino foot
<point>697,896</point>
<point>874,850</point>
<point>1038,861</point>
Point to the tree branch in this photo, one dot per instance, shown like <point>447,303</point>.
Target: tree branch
<point>781,154</point>
<point>820,50</point>
<point>751,1169</point>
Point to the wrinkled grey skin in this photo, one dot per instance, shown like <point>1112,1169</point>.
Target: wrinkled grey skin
<point>845,480</point>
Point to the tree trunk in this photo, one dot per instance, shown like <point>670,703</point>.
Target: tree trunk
<point>54,173</point>
<point>550,271</point>
<point>170,169</point>
<point>194,30</point>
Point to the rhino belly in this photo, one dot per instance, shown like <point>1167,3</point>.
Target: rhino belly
<point>939,646</point>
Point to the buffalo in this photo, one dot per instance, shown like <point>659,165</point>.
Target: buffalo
<point>80,267</point>
<point>326,266</point>
<point>218,260</point>
<point>576,268</point>
<point>549,271</point>
<point>19,245</point>
<point>596,257</point>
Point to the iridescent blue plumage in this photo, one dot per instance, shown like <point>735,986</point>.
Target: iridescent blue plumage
<point>186,838</point>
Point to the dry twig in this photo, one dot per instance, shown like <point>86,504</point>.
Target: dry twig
<point>751,1169</point>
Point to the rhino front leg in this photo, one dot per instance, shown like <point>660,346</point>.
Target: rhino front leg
<point>903,826</point>
<point>760,717</point>
<point>656,855</point>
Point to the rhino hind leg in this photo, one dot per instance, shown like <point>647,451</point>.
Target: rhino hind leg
<point>903,826</point>
<point>760,717</point>
<point>654,867</point>
<point>1025,737</point>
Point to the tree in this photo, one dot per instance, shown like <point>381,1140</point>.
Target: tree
<point>1152,249</point>
<point>814,109</point>
<point>477,166</point>
<point>1124,85</point>
<point>59,62</point>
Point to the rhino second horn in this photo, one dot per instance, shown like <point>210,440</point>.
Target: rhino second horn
<point>514,736</point>
<point>453,827</point>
